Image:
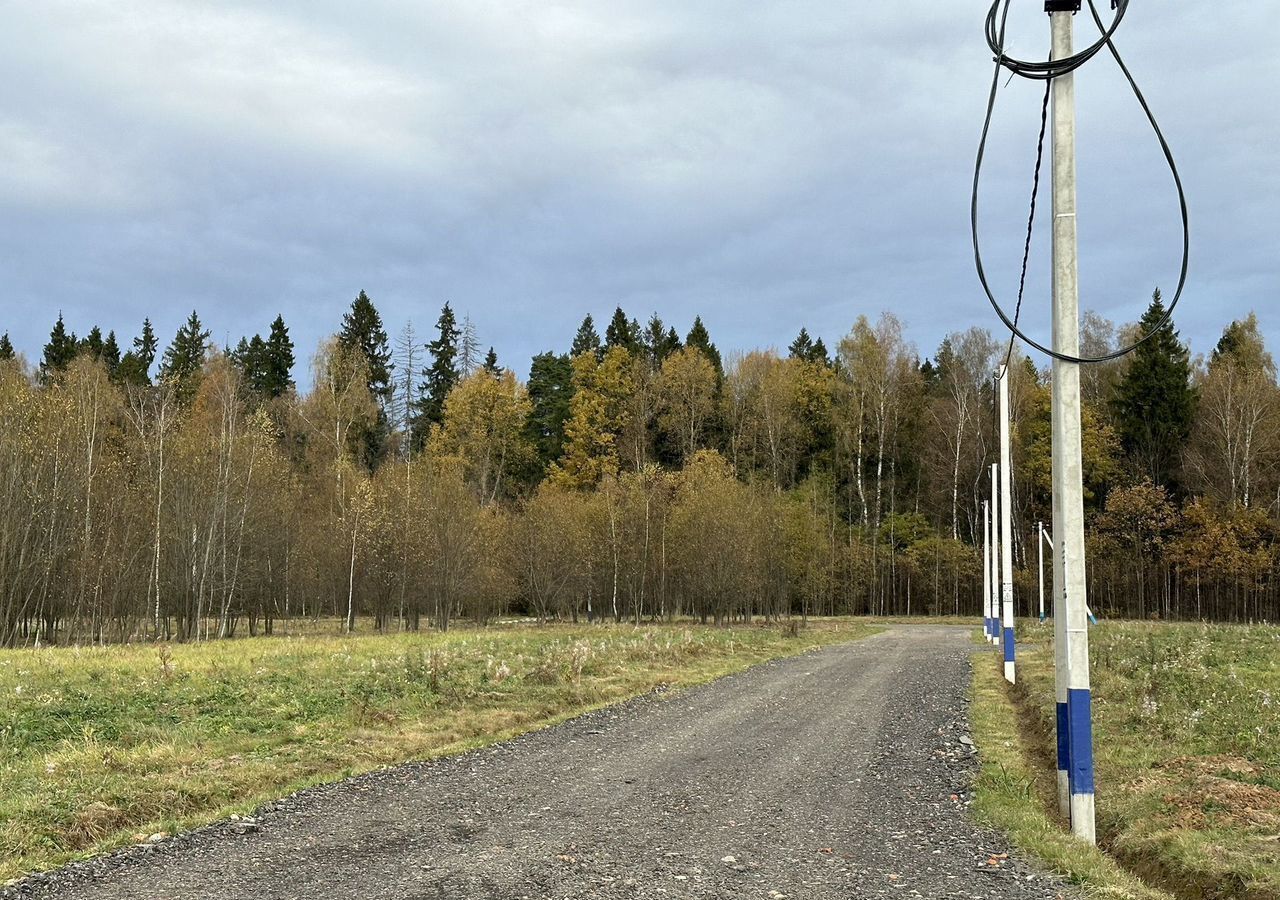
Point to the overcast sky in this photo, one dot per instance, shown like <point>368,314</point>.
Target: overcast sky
<point>767,165</point>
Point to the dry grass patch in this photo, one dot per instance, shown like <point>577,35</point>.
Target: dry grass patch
<point>1187,729</point>
<point>100,745</point>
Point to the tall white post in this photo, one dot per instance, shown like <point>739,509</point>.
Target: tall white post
<point>986,570</point>
<point>1006,531</point>
<point>1068,489</point>
<point>1040,564</point>
<point>995,553</point>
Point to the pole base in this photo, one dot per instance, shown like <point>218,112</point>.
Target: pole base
<point>1082,821</point>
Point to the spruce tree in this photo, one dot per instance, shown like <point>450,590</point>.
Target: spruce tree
<point>491,363</point>
<point>241,356</point>
<point>184,358</point>
<point>251,357</point>
<point>442,374</point>
<point>658,341</point>
<point>91,344</point>
<point>701,339</point>
<point>673,343</point>
<point>58,353</point>
<point>277,362</point>
<point>6,348</point>
<point>550,390</point>
<point>145,346</point>
<point>468,348</point>
<point>362,330</point>
<point>1154,401</point>
<point>806,348</point>
<point>111,354</point>
<point>622,333</point>
<point>802,346</point>
<point>587,339</point>
<point>135,367</point>
<point>820,354</point>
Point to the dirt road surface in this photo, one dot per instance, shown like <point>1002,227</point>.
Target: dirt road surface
<point>843,773</point>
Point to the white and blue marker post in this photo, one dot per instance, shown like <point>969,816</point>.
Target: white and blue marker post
<point>994,562</point>
<point>1006,533</point>
<point>986,570</point>
<point>1068,470</point>
<point>993,617</point>
<point>1040,565</point>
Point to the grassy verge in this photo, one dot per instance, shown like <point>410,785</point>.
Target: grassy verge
<point>1187,733</point>
<point>101,747</point>
<point>1015,795</point>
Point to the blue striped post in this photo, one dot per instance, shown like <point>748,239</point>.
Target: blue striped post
<point>1068,466</point>
<point>995,554</point>
<point>1060,667</point>
<point>1040,565</point>
<point>1080,753</point>
<point>1006,532</point>
<point>986,570</point>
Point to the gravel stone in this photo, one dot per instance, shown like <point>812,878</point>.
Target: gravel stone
<point>840,774</point>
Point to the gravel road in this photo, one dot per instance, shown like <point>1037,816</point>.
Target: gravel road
<point>842,773</point>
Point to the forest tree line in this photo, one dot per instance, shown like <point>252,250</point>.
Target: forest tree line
<point>638,474</point>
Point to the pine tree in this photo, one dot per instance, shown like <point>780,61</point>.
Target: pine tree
<point>184,359</point>
<point>362,330</point>
<point>58,353</point>
<point>442,374</point>
<point>622,333</point>
<point>135,367</point>
<point>491,364</point>
<point>587,339</point>
<point>1154,402</point>
<point>6,348</point>
<point>550,392</point>
<point>277,360</point>
<point>701,339</point>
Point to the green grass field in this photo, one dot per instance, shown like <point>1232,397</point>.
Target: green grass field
<point>104,746</point>
<point>1187,739</point>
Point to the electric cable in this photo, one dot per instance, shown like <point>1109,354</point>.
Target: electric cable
<point>996,22</point>
<point>1035,192</point>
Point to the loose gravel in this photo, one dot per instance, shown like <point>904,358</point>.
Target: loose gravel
<point>842,773</point>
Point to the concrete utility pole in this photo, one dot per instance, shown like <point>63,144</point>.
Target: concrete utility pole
<point>1068,499</point>
<point>1006,530</point>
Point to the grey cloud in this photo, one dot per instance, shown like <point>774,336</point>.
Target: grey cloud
<point>766,165</point>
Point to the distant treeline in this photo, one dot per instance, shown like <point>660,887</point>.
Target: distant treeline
<point>637,475</point>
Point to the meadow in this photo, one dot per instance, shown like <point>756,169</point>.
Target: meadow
<point>1187,740</point>
<point>105,746</point>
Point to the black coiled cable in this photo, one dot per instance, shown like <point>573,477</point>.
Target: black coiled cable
<point>996,21</point>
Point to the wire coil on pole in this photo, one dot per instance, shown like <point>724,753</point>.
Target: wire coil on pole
<point>996,21</point>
